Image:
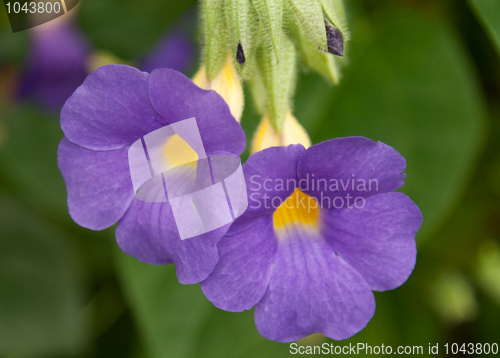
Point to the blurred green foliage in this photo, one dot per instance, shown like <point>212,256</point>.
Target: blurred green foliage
<point>41,284</point>
<point>421,76</point>
<point>489,13</point>
<point>413,88</point>
<point>129,28</point>
<point>29,163</point>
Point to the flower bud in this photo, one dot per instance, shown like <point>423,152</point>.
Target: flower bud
<point>227,84</point>
<point>242,24</point>
<point>271,14</point>
<point>215,37</point>
<point>278,78</point>
<point>266,136</point>
<point>335,13</point>
<point>309,14</point>
<point>312,56</point>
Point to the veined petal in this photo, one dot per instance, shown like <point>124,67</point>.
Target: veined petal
<point>312,290</point>
<point>98,184</point>
<point>176,98</point>
<point>148,232</point>
<point>378,240</point>
<point>110,110</point>
<point>242,274</point>
<point>354,166</point>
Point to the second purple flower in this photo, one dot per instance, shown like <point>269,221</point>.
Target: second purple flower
<point>114,107</point>
<point>324,229</point>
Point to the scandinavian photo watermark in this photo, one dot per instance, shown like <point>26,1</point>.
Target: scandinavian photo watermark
<point>329,194</point>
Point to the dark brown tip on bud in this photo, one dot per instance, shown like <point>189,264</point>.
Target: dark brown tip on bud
<point>240,55</point>
<point>335,40</point>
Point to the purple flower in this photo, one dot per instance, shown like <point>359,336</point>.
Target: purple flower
<point>114,107</point>
<point>60,57</point>
<point>56,64</point>
<point>324,228</point>
<point>175,50</point>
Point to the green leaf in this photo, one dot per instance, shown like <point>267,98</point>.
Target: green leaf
<point>412,88</point>
<point>129,28</point>
<point>215,37</point>
<point>40,286</point>
<point>271,15</point>
<point>233,334</point>
<point>309,14</point>
<point>279,80</point>
<point>488,12</point>
<point>28,159</point>
<point>169,314</point>
<point>177,321</point>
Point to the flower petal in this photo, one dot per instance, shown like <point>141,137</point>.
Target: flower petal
<point>312,290</point>
<point>98,184</point>
<point>176,98</point>
<point>110,110</point>
<point>264,171</point>
<point>56,65</point>
<point>148,232</point>
<point>377,240</point>
<point>242,274</point>
<point>350,162</point>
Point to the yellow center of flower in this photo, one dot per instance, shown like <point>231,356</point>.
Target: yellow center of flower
<point>178,152</point>
<point>299,210</point>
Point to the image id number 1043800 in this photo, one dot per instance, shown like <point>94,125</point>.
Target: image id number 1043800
<point>33,7</point>
<point>471,348</point>
<point>27,14</point>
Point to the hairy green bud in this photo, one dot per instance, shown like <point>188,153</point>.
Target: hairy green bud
<point>242,23</point>
<point>271,15</point>
<point>261,37</point>
<point>278,76</point>
<point>309,13</point>
<point>335,12</point>
<point>258,91</point>
<point>215,37</point>
<point>320,61</point>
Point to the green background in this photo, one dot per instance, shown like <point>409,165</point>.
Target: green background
<point>421,76</point>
